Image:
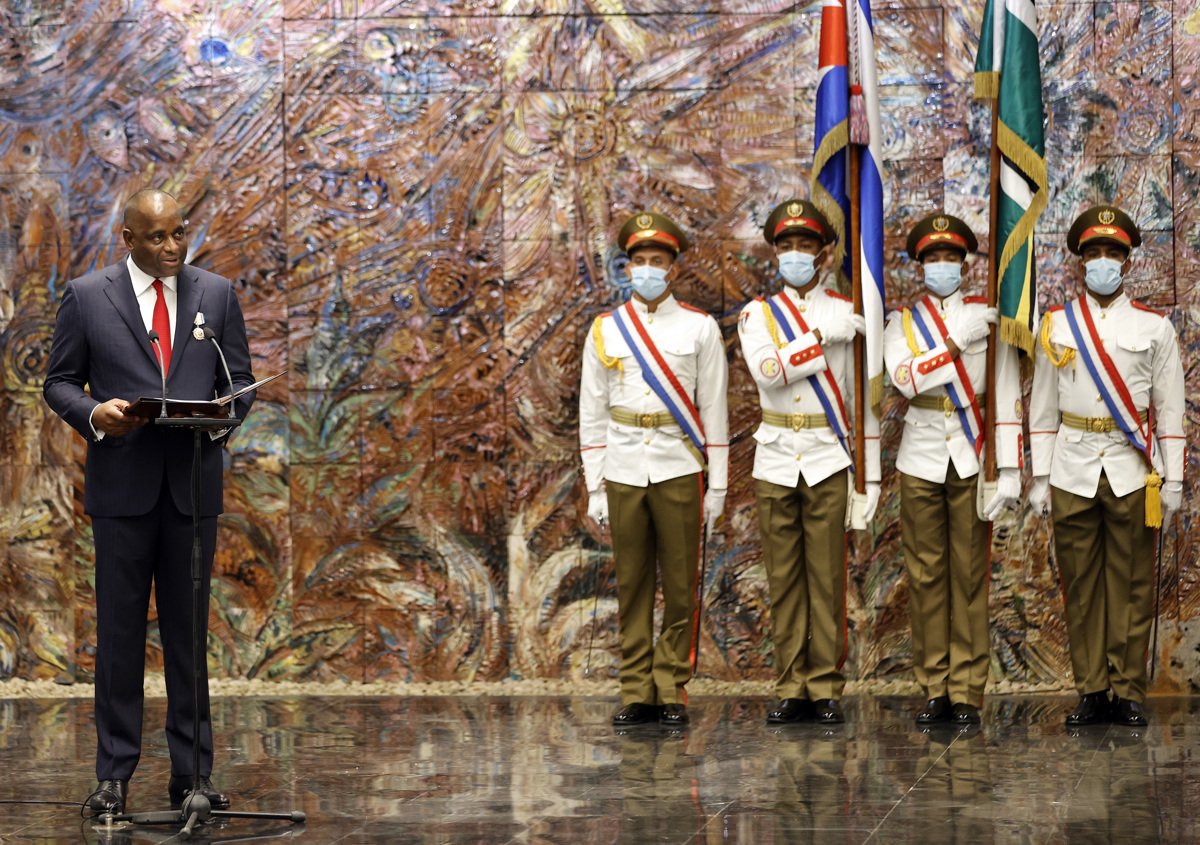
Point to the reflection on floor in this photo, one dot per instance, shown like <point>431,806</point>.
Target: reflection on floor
<point>552,770</point>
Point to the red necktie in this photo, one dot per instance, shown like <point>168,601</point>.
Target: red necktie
<point>162,325</point>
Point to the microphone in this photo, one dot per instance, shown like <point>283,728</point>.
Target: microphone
<point>208,334</point>
<point>161,370</point>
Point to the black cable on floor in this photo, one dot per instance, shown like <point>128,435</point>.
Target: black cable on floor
<point>54,803</point>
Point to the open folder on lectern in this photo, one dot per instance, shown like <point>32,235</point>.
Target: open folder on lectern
<point>151,406</point>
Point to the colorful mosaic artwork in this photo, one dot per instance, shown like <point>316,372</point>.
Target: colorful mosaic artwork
<point>418,198</point>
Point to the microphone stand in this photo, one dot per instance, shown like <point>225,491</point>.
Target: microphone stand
<point>209,334</point>
<point>161,370</point>
<point>196,808</point>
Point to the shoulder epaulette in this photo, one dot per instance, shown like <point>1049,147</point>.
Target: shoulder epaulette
<point>694,308</point>
<point>1054,308</point>
<point>976,300</point>
<point>837,295</point>
<point>1147,309</point>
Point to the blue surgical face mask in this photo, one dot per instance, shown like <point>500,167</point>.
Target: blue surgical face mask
<point>1103,275</point>
<point>797,268</point>
<point>649,282</point>
<point>943,277</point>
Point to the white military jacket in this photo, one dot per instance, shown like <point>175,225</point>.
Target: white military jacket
<point>1144,349</point>
<point>782,455</point>
<point>690,341</point>
<point>934,437</point>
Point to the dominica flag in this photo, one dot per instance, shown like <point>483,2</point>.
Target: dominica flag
<point>847,124</point>
<point>1008,70</point>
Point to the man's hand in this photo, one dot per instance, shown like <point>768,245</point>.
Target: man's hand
<point>842,328</point>
<point>1172,499</point>
<point>974,328</point>
<point>714,506</point>
<point>872,493</point>
<point>1008,490</point>
<point>598,507</point>
<point>110,418</point>
<point>1039,495</point>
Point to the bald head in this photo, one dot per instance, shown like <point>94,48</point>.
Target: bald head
<point>154,232</point>
<point>148,201</point>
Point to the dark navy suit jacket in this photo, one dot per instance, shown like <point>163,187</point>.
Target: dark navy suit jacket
<point>101,350</point>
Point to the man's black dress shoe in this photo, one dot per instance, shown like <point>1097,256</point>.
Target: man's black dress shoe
<point>181,785</point>
<point>965,715</point>
<point>936,710</point>
<point>826,711</point>
<point>674,715</point>
<point>790,711</point>
<point>1091,710</point>
<point>636,714</point>
<point>108,797</point>
<point>1126,712</point>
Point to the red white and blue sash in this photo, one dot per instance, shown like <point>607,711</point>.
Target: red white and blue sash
<point>824,385</point>
<point>1106,376</point>
<point>658,374</point>
<point>959,389</point>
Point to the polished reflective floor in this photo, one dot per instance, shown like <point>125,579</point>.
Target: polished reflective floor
<point>552,770</point>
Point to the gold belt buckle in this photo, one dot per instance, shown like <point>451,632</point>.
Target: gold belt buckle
<point>1099,424</point>
<point>646,420</point>
<point>797,421</point>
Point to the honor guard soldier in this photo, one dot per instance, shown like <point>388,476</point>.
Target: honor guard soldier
<point>652,415</point>
<point>1106,437</point>
<point>936,355</point>
<point>797,346</point>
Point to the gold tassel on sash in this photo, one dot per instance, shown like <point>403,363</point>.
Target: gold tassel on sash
<point>1154,516</point>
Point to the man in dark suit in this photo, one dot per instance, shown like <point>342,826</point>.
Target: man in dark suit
<point>137,480</point>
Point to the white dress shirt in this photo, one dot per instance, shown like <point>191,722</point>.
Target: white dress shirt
<point>143,289</point>
<point>1143,346</point>
<point>934,437</point>
<point>690,341</point>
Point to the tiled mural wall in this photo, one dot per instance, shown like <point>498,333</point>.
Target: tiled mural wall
<point>418,199</point>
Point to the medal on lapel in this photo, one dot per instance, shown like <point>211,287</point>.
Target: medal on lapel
<point>198,331</point>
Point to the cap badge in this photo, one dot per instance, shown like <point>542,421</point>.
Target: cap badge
<point>794,209</point>
<point>645,221</point>
<point>940,224</point>
<point>1106,216</point>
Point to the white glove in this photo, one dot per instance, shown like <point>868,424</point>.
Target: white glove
<point>974,328</point>
<point>1039,495</point>
<point>598,506</point>
<point>842,328</point>
<point>714,506</point>
<point>872,494</point>
<point>1008,490</point>
<point>1172,499</point>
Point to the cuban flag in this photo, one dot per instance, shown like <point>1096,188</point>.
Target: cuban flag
<point>847,123</point>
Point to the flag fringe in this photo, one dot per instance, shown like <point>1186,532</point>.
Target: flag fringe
<point>1018,334</point>
<point>834,142</point>
<point>1014,148</point>
<point>876,395</point>
<point>987,84</point>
